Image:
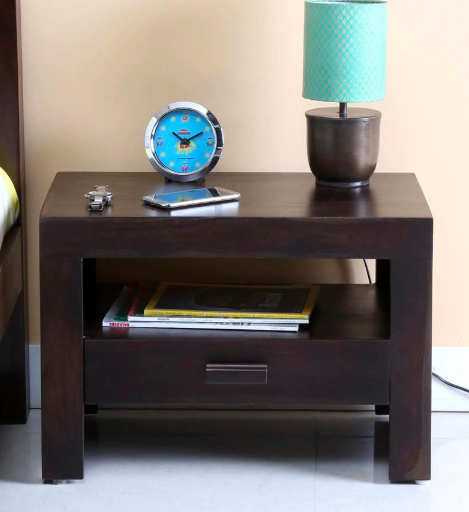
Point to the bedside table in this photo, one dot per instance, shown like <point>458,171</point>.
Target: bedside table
<point>366,344</point>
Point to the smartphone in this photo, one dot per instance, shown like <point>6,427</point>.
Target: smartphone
<point>196,197</point>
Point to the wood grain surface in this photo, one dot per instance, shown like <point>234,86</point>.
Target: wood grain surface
<point>269,195</point>
<point>62,368</point>
<point>364,344</point>
<point>279,216</point>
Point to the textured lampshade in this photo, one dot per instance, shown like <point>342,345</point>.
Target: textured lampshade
<point>345,50</point>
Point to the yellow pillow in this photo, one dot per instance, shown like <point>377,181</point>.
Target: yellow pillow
<point>9,204</point>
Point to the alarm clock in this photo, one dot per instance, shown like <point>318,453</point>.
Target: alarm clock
<point>184,141</point>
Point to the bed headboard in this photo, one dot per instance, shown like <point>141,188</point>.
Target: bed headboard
<point>11,97</point>
<point>11,127</point>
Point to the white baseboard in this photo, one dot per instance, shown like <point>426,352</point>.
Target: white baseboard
<point>452,363</point>
<point>35,376</point>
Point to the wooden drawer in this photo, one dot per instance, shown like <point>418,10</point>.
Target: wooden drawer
<point>250,370</point>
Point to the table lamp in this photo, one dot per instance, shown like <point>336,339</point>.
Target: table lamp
<point>345,47</point>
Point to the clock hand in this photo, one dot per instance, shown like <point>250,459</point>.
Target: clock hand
<point>194,136</point>
<point>186,142</point>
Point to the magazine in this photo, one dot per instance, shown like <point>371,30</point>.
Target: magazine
<point>294,302</point>
<point>117,315</point>
<point>118,318</point>
<point>145,293</point>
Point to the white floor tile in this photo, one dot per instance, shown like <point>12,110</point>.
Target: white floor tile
<point>211,461</point>
<point>216,472</point>
<point>450,474</point>
<point>348,478</point>
<point>450,425</point>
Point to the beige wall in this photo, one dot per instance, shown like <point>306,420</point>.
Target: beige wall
<point>96,70</point>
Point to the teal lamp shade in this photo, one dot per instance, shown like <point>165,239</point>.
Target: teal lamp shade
<point>345,48</point>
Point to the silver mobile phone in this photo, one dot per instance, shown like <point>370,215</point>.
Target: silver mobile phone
<point>196,197</point>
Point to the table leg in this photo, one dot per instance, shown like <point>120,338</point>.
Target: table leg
<point>383,281</point>
<point>410,388</point>
<point>62,369</point>
<point>383,276</point>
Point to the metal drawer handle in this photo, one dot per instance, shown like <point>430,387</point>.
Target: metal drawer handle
<point>236,374</point>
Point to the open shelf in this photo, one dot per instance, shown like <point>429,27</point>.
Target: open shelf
<point>341,357</point>
<point>343,312</point>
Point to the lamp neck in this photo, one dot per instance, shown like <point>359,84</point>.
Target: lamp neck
<point>343,109</point>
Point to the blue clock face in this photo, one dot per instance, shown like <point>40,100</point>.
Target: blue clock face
<point>184,141</point>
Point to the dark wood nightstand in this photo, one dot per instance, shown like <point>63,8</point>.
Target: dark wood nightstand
<point>366,344</point>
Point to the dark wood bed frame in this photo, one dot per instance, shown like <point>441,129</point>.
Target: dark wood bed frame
<point>14,377</point>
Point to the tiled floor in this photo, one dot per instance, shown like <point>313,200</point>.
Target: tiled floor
<point>239,461</point>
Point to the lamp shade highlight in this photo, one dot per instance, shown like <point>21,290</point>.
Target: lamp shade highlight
<point>345,50</point>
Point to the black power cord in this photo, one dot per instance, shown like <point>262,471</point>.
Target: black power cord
<point>367,272</point>
<point>450,384</point>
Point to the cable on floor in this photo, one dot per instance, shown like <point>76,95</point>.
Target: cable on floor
<point>367,272</point>
<point>450,384</point>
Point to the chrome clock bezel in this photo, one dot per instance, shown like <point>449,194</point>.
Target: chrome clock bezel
<point>150,143</point>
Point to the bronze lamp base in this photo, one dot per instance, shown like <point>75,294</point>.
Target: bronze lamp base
<point>343,146</point>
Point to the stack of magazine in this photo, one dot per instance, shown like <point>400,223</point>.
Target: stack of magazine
<point>227,307</point>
